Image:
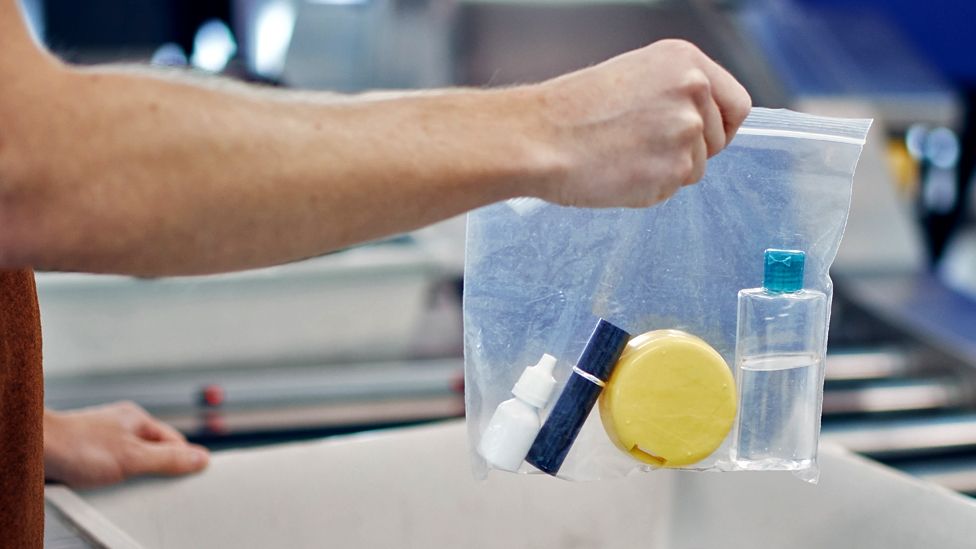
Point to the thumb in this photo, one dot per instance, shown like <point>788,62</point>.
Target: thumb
<point>151,458</point>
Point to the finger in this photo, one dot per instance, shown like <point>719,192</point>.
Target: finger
<point>165,459</point>
<point>699,157</point>
<point>154,430</point>
<point>714,127</point>
<point>730,97</point>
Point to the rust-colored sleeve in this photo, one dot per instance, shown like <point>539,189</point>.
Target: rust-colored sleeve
<point>21,413</point>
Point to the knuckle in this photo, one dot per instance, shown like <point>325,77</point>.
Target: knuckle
<point>681,46</point>
<point>132,410</point>
<point>127,406</point>
<point>690,126</point>
<point>696,84</point>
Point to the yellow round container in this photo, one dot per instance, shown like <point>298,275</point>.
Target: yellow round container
<point>670,401</point>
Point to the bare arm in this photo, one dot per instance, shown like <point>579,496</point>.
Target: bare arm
<point>107,171</point>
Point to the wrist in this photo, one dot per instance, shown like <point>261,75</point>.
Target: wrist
<point>53,443</point>
<point>542,163</point>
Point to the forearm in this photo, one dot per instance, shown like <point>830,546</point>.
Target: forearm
<point>115,172</point>
<point>156,176</point>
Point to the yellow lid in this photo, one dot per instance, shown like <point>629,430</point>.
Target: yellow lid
<point>670,401</point>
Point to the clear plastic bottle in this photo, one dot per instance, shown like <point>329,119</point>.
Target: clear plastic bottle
<point>779,361</point>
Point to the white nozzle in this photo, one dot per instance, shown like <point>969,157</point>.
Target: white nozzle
<point>536,384</point>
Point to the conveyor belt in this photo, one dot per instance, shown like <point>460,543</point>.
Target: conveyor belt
<point>919,436</point>
<point>894,391</point>
<point>896,395</point>
<point>226,406</point>
<point>910,399</point>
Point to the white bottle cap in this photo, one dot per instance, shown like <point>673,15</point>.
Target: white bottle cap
<point>536,384</point>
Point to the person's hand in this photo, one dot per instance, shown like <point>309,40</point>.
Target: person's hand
<point>633,130</point>
<point>104,445</point>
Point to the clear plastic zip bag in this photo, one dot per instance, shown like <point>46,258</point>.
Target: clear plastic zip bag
<point>578,284</point>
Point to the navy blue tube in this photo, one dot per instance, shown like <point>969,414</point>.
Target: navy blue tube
<point>558,433</point>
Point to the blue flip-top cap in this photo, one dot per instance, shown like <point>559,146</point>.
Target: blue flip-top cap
<point>784,270</point>
<point>602,350</point>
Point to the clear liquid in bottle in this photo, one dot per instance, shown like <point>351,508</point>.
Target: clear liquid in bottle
<point>780,394</point>
<point>780,343</point>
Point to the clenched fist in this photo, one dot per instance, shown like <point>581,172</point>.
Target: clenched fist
<point>633,130</point>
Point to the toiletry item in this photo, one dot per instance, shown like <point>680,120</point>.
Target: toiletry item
<point>670,401</point>
<point>578,397</point>
<point>779,360</point>
<point>516,422</point>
